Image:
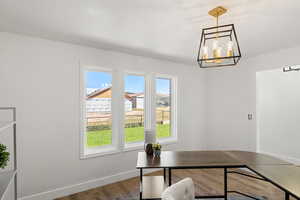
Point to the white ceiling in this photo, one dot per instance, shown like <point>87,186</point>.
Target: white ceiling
<point>167,29</point>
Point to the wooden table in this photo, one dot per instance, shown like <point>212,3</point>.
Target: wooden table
<point>278,172</point>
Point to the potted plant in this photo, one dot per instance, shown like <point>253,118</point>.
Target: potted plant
<point>156,149</point>
<point>4,156</point>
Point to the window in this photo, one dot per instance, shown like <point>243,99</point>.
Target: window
<point>117,107</point>
<point>134,108</point>
<point>163,107</point>
<point>97,111</point>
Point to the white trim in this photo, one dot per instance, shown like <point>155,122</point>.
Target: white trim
<point>257,115</point>
<point>115,108</point>
<point>173,109</point>
<point>121,110</point>
<point>96,68</point>
<point>99,151</point>
<point>83,186</point>
<point>150,103</point>
<point>118,111</point>
<point>166,76</point>
<point>295,161</point>
<point>134,145</point>
<point>81,111</point>
<point>168,140</point>
<point>134,73</point>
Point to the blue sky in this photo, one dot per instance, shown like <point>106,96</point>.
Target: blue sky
<point>163,86</point>
<point>133,84</point>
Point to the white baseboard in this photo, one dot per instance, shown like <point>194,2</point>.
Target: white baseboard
<point>79,187</point>
<point>295,161</point>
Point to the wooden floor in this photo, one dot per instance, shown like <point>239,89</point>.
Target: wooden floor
<point>207,182</point>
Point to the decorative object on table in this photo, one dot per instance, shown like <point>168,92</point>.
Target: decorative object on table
<point>4,156</point>
<point>219,45</point>
<point>149,140</point>
<point>149,149</point>
<point>156,149</point>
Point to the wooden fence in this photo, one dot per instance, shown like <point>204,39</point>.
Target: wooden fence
<point>104,122</point>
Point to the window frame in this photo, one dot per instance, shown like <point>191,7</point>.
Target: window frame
<point>100,150</point>
<point>118,111</point>
<point>136,145</point>
<point>173,109</point>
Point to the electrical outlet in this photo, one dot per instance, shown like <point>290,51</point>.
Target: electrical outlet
<point>250,116</point>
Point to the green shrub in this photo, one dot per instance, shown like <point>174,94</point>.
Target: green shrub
<point>98,128</point>
<point>4,156</point>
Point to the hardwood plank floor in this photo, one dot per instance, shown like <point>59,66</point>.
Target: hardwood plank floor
<point>207,182</point>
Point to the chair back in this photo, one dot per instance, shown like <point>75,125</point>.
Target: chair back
<point>183,190</point>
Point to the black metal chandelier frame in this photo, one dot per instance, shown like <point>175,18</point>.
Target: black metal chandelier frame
<point>217,32</point>
<point>207,34</point>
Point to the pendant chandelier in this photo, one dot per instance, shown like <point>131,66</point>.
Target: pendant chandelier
<point>219,46</point>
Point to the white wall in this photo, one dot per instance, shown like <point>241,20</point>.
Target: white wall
<point>35,72</point>
<point>278,110</point>
<point>231,95</point>
<point>213,108</point>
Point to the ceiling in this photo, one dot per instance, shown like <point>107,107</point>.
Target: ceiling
<point>168,29</point>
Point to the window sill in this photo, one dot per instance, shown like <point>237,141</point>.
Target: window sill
<point>134,146</point>
<point>140,145</point>
<point>98,152</point>
<point>167,141</point>
<point>106,151</point>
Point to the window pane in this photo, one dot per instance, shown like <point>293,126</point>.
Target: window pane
<point>134,108</point>
<point>98,109</point>
<point>163,107</point>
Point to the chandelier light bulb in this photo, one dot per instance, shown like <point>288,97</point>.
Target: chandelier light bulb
<point>219,52</point>
<point>215,48</point>
<point>230,49</point>
<point>205,52</point>
<point>218,55</point>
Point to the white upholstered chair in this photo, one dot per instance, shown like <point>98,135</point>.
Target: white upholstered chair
<point>183,190</point>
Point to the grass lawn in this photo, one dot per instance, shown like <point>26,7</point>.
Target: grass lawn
<point>103,137</point>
